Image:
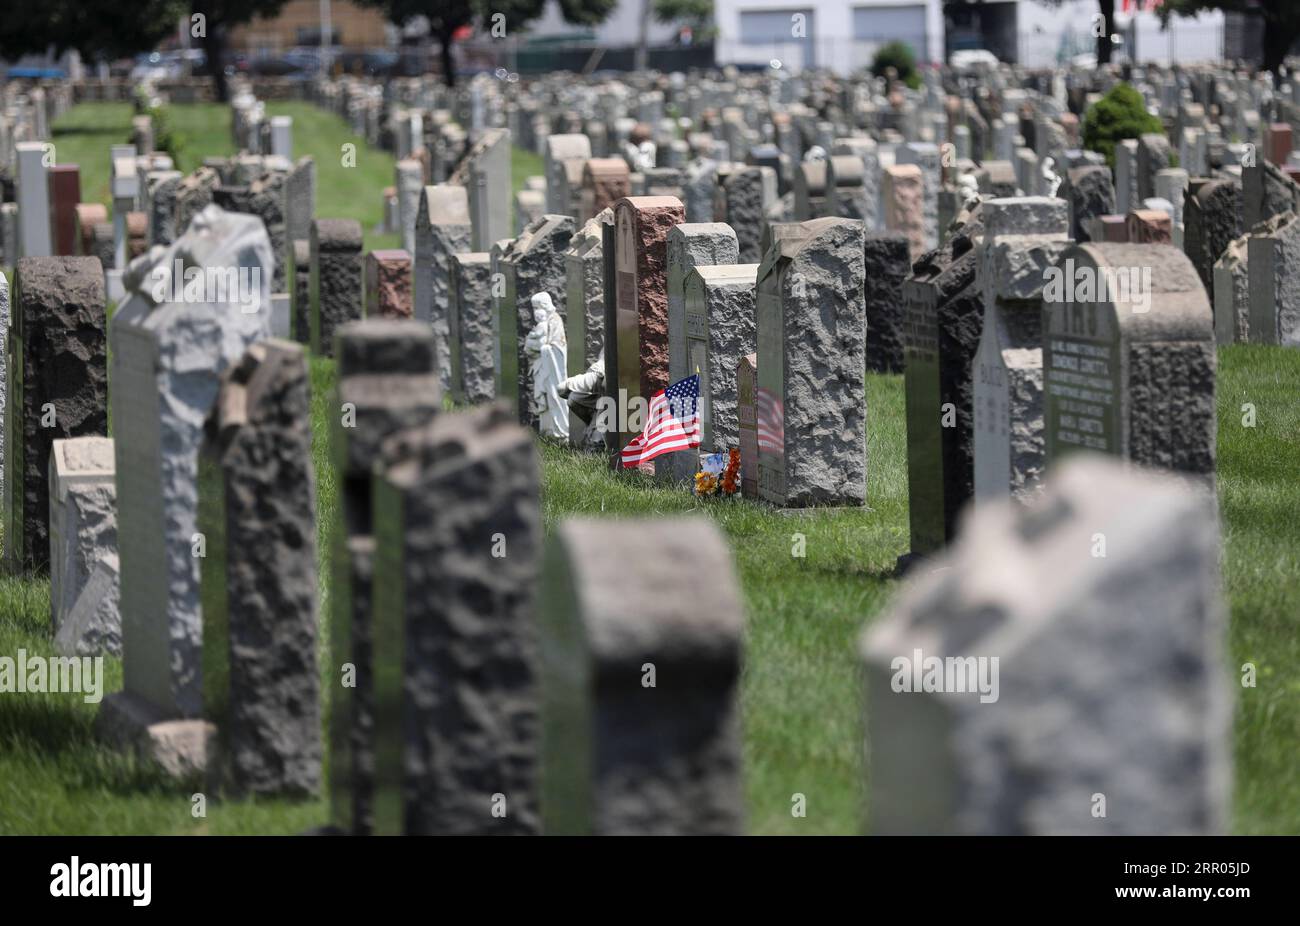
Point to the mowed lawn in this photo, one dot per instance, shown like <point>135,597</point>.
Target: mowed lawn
<point>801,690</point>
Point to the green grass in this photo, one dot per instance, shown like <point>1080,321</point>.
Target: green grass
<point>800,688</point>
<point>83,136</point>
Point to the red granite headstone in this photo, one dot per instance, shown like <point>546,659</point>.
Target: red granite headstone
<point>1149,226</point>
<point>1114,228</point>
<point>64,193</point>
<point>388,284</point>
<point>88,216</point>
<point>1277,142</point>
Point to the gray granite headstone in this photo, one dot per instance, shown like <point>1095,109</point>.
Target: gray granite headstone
<point>811,403</point>
<point>720,329</point>
<point>167,358</point>
<point>442,228</point>
<point>689,246</point>
<point>641,633</point>
<point>56,373</point>
<point>458,533</point>
<point>257,511</point>
<point>83,531</point>
<point>386,382</point>
<point>747,193</point>
<point>488,178</point>
<point>1131,373</point>
<point>887,264</point>
<point>1110,711</point>
<point>335,280</point>
<point>1274,281</point>
<point>1023,238</point>
<point>471,335</point>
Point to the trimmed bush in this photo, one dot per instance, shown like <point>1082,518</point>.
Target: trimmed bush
<point>1120,114</point>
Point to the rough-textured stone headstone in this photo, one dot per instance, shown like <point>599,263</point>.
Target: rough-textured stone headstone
<point>1232,293</point>
<point>163,186</point>
<point>388,284</point>
<point>1171,185</point>
<point>860,200</point>
<point>531,264</point>
<point>641,227</point>
<point>166,361</point>
<point>409,186</point>
<point>623,598</point>
<point>386,382</point>
<point>811,404</point>
<point>335,280</point>
<point>1109,681</point>
<point>300,199</point>
<point>746,195</point>
<point>1127,195</point>
<point>1212,220</point>
<point>471,338</point>
<point>698,189</point>
<point>584,272</point>
<point>83,531</point>
<point>888,262</point>
<point>690,246</point>
<point>1091,194</point>
<point>1274,281</point>
<point>193,194</point>
<point>1131,372</point>
<point>720,328</point>
<point>458,538</point>
<point>257,511</point>
<point>442,228</point>
<point>266,201</point>
<point>56,387</point>
<point>1023,239</point>
<point>902,198</point>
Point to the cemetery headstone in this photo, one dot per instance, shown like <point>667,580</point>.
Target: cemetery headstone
<point>257,507</point>
<point>388,284</point>
<point>623,599</point>
<point>83,544</point>
<point>811,405</point>
<point>887,264</point>
<point>335,280</point>
<point>457,536</point>
<point>1131,372</point>
<point>1108,680</point>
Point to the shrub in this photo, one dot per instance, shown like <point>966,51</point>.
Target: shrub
<point>1120,114</point>
<point>899,56</point>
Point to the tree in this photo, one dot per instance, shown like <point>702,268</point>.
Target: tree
<point>1281,22</point>
<point>698,14</point>
<point>1120,114</point>
<point>97,29</point>
<point>210,30</point>
<point>499,17</point>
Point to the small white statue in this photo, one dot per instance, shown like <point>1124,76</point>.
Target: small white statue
<point>815,153</point>
<point>547,351</point>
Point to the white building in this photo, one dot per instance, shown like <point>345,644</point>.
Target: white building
<point>842,35</point>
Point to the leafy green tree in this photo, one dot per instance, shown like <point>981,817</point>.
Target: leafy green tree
<point>98,29</point>
<point>1281,22</point>
<point>899,56</point>
<point>698,14</point>
<point>447,17</point>
<point>1120,114</point>
<point>217,16</point>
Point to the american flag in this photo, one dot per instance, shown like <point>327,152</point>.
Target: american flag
<point>672,423</point>
<point>770,423</point>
